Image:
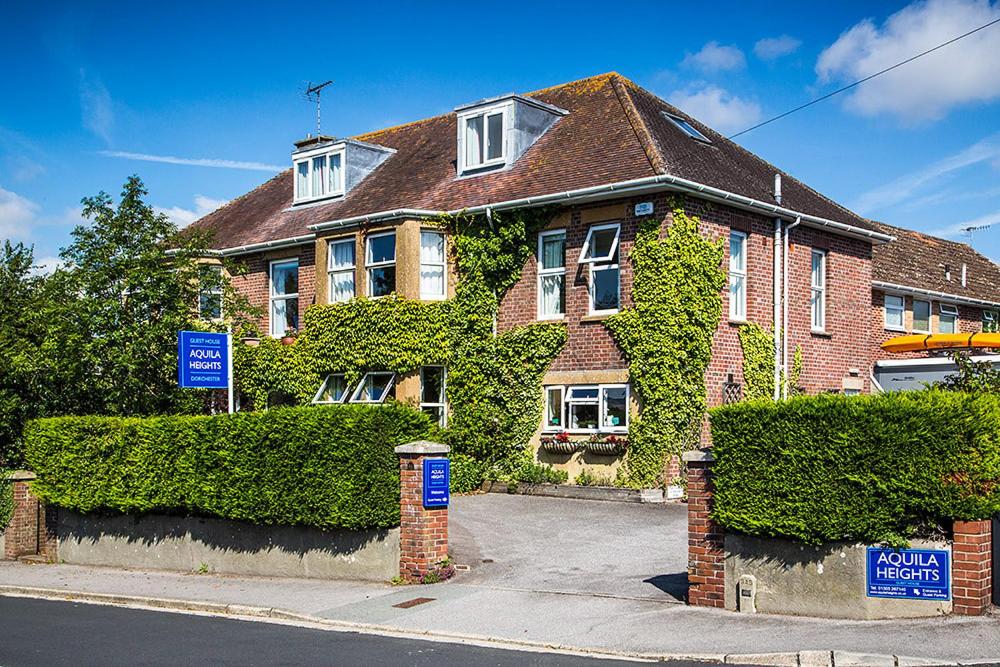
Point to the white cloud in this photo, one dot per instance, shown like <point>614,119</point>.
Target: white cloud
<point>715,57</point>
<point>16,215</point>
<point>193,162</point>
<point>96,106</point>
<point>928,88</point>
<point>952,231</point>
<point>45,265</point>
<point>182,217</point>
<point>772,48</point>
<point>717,108</point>
<point>905,186</point>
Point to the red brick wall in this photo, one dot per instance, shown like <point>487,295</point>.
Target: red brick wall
<point>706,541</point>
<point>970,320</point>
<point>972,578</point>
<point>423,531</point>
<point>255,283</point>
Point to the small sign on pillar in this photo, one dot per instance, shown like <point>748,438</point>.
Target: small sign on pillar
<point>437,480</point>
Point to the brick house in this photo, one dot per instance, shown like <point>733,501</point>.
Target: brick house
<point>922,284</point>
<point>348,220</point>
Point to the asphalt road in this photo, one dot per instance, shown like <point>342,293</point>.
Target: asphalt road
<point>52,633</point>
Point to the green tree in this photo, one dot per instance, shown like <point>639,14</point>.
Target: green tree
<point>978,377</point>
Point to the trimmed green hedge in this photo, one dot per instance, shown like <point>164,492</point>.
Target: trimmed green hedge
<point>877,469</point>
<point>329,467</point>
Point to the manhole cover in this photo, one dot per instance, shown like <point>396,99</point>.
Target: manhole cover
<point>413,603</point>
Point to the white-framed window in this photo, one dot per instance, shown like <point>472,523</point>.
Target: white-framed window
<point>432,265</point>
<point>333,390</point>
<point>737,276</point>
<point>432,393</point>
<point>319,174</point>
<point>552,274</point>
<point>991,324</point>
<point>380,261</point>
<point>947,318</point>
<point>375,387</point>
<point>600,251</point>
<point>687,128</point>
<point>587,408</point>
<point>340,265</point>
<point>210,292</point>
<point>482,134</point>
<point>921,316</point>
<point>284,296</point>
<point>894,307</point>
<point>817,292</point>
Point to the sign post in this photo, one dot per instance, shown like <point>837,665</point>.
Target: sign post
<point>437,479</point>
<point>204,361</point>
<point>910,574</point>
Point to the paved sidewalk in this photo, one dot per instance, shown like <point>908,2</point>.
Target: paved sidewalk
<point>582,621</point>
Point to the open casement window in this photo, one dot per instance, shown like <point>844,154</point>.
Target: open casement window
<point>333,390</point>
<point>551,274</point>
<point>432,394</point>
<point>284,296</point>
<point>318,176</point>
<point>895,310</point>
<point>210,292</point>
<point>921,316</point>
<point>737,276</point>
<point>483,139</point>
<point>600,251</point>
<point>601,244</point>
<point>947,318</point>
<point>587,408</point>
<point>340,268</point>
<point>375,387</point>
<point>990,321</point>
<point>380,260</point>
<point>817,291</point>
<point>432,265</point>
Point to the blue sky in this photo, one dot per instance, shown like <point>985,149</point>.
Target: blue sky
<point>219,86</point>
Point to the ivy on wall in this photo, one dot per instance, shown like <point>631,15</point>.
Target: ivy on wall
<point>494,380</point>
<point>667,339</point>
<point>758,363</point>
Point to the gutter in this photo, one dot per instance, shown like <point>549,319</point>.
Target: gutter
<point>932,293</point>
<point>265,245</point>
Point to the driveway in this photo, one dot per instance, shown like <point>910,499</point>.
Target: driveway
<point>592,547</point>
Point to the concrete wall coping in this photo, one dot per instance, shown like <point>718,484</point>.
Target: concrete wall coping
<point>696,455</point>
<point>21,476</point>
<point>423,447</point>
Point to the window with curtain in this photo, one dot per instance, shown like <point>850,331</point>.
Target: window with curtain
<point>333,389</point>
<point>921,316</point>
<point>551,274</point>
<point>319,176</point>
<point>737,276</point>
<point>483,139</point>
<point>380,260</point>
<point>894,312</point>
<point>340,267</point>
<point>817,292</point>
<point>586,408</point>
<point>432,265</point>
<point>284,296</point>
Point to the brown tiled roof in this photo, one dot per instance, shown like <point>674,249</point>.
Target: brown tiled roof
<point>615,131</point>
<point>919,260</point>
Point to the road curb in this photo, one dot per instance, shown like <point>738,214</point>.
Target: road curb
<point>282,616</point>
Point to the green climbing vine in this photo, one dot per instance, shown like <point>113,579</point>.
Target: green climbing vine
<point>667,339</point>
<point>494,379</point>
<point>758,363</point>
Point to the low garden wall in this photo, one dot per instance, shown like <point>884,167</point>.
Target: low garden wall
<point>784,505</point>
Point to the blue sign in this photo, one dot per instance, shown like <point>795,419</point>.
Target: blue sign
<point>912,574</point>
<point>437,479</point>
<point>203,360</point>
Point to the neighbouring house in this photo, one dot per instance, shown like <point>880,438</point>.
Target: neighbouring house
<point>922,284</point>
<point>350,219</point>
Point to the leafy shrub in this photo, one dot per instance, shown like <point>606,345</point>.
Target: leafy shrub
<point>539,473</point>
<point>467,474</point>
<point>6,501</point>
<point>329,467</point>
<point>588,478</point>
<point>869,468</point>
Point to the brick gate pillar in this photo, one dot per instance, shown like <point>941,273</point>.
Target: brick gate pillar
<point>972,571</point>
<point>706,555</point>
<point>32,525</point>
<point>423,531</point>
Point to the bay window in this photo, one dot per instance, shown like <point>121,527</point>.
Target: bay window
<point>587,408</point>
<point>284,296</point>
<point>551,274</point>
<point>340,269</point>
<point>894,312</point>
<point>737,276</point>
<point>432,265</point>
<point>947,318</point>
<point>600,251</point>
<point>817,292</point>
<point>380,260</point>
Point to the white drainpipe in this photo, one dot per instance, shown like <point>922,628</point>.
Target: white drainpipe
<point>776,273</point>
<point>784,315</point>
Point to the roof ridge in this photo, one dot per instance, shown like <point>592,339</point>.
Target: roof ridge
<point>621,86</point>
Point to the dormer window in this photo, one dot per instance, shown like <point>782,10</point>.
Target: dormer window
<point>484,138</point>
<point>319,174</point>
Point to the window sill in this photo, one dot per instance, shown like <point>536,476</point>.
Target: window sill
<point>821,333</point>
<point>552,318</point>
<point>598,317</point>
<point>896,330</point>
<point>736,321</point>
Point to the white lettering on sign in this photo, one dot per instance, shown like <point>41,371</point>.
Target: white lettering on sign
<point>907,566</point>
<point>204,353</point>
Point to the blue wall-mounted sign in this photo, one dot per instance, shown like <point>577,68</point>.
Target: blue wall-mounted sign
<point>437,479</point>
<point>203,360</point>
<point>911,574</point>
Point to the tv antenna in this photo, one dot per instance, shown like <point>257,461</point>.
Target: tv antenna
<point>313,95</point>
<point>977,228</point>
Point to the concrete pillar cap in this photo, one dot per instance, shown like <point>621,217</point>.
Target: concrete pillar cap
<point>21,476</point>
<point>423,447</point>
<point>695,455</point>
